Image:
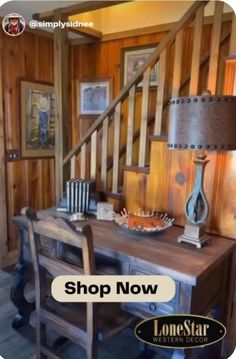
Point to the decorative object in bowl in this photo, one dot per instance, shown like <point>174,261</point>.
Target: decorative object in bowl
<point>143,222</point>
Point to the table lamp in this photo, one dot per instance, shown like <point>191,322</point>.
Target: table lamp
<point>201,123</point>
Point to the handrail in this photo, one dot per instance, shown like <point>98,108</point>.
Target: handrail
<point>186,18</point>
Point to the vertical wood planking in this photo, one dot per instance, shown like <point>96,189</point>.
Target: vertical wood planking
<point>61,86</point>
<point>104,154</point>
<point>177,64</point>
<point>3,190</point>
<point>232,45</point>
<point>215,47</point>
<point>93,160</point>
<point>230,77</point>
<point>160,94</point>
<point>39,202</point>
<point>157,178</point>
<point>144,119</point>
<point>29,181</point>
<point>195,66</point>
<point>51,199</point>
<point>212,86</point>
<point>116,148</point>
<point>83,161</point>
<point>130,127</point>
<point>72,167</point>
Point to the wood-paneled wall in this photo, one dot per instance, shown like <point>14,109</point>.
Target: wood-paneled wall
<point>30,182</point>
<point>170,182</point>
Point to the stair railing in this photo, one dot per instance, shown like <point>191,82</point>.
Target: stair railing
<point>88,144</point>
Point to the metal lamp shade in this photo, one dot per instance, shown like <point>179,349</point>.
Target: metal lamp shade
<point>203,123</point>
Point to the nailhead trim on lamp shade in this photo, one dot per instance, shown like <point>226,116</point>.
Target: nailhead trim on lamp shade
<point>202,123</point>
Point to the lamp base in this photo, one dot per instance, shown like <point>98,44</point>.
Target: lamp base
<point>194,234</point>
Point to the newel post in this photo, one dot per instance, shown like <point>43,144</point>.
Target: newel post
<point>62,101</point>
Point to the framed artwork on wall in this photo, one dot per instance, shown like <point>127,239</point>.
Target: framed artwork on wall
<point>37,107</point>
<point>132,58</point>
<point>95,95</point>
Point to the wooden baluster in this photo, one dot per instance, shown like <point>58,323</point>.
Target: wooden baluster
<point>195,66</point>
<point>144,118</point>
<point>104,153</point>
<point>93,161</point>
<point>116,148</point>
<point>83,161</point>
<point>72,167</point>
<point>160,93</point>
<point>177,64</point>
<point>232,46</point>
<point>215,47</point>
<point>130,127</point>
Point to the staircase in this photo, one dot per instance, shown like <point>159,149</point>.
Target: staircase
<point>140,114</point>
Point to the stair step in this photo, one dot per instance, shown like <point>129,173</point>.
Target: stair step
<point>117,199</point>
<point>118,195</point>
<point>158,138</point>
<point>136,168</point>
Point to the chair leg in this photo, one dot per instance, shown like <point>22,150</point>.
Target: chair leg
<point>146,353</point>
<point>43,333</point>
<point>92,350</point>
<point>40,338</point>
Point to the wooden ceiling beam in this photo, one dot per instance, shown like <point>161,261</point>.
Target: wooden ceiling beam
<point>89,32</point>
<point>78,8</point>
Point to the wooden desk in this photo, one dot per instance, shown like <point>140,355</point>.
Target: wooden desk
<point>203,277</point>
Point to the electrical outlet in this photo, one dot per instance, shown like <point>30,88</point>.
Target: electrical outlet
<point>13,155</point>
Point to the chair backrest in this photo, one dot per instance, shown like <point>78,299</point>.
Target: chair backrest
<point>58,231</point>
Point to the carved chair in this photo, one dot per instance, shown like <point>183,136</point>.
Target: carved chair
<point>86,324</point>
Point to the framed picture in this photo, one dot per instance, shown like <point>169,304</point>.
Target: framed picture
<point>132,58</point>
<point>105,211</point>
<point>95,95</point>
<point>37,106</point>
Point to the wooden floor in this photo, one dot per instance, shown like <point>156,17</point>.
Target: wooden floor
<point>20,344</point>
<point>12,344</point>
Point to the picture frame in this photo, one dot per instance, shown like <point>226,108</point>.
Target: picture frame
<point>38,116</point>
<point>132,58</point>
<point>105,211</point>
<point>94,95</point>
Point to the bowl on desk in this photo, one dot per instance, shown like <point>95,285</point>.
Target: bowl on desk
<point>143,222</point>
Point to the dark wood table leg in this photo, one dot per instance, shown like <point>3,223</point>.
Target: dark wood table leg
<point>185,306</point>
<point>182,354</point>
<point>145,352</point>
<point>23,275</point>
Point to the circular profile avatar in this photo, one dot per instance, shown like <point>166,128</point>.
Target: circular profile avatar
<point>13,24</point>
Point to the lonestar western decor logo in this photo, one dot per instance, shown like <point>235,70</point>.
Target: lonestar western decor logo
<point>180,331</point>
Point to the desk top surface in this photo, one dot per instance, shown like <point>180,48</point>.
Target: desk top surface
<point>159,253</point>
